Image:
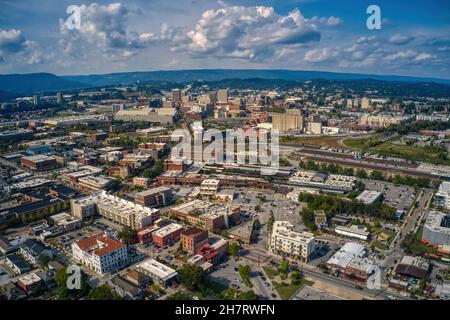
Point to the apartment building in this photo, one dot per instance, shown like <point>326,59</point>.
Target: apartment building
<point>114,208</point>
<point>100,254</point>
<point>291,244</point>
<point>207,215</point>
<point>209,187</point>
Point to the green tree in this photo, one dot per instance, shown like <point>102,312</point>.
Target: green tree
<point>128,235</point>
<point>284,267</point>
<point>192,277</point>
<point>103,292</point>
<point>233,249</point>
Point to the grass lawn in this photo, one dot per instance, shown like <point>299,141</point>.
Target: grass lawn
<point>379,245</point>
<point>218,290</point>
<point>270,272</point>
<point>286,290</point>
<point>323,141</point>
<point>390,149</point>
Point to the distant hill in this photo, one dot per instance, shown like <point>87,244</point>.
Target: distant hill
<point>221,74</point>
<point>20,84</point>
<point>13,84</point>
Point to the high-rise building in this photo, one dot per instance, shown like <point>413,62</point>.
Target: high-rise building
<point>176,95</point>
<point>222,96</point>
<point>58,97</point>
<point>365,103</point>
<point>291,120</point>
<point>36,100</point>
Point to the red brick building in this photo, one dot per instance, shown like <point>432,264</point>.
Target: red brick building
<point>193,238</point>
<point>167,235</point>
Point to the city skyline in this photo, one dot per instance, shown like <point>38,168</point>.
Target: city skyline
<point>298,35</point>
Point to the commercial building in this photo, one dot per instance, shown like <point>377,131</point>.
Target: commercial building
<point>66,221</point>
<point>286,242</point>
<point>415,267</point>
<point>370,196</point>
<point>95,183</point>
<point>213,253</point>
<point>161,115</point>
<point>100,253</point>
<point>354,231</point>
<point>158,272</point>
<point>167,235</point>
<point>160,196</point>
<point>193,238</point>
<point>29,282</point>
<point>38,162</point>
<point>292,120</point>
<point>436,229</point>
<point>209,187</point>
<point>207,215</point>
<point>114,208</point>
<point>323,180</point>
<point>341,259</point>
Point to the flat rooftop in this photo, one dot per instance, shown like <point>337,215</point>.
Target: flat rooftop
<point>157,268</point>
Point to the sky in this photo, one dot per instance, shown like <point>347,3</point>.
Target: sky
<point>145,35</point>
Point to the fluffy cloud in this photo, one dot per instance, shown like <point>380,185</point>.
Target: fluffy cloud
<point>320,55</point>
<point>254,33</point>
<point>400,39</point>
<point>12,41</point>
<point>15,48</point>
<point>329,22</point>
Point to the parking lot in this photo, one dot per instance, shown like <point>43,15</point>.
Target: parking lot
<point>398,197</point>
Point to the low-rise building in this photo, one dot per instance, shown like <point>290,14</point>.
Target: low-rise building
<point>66,221</point>
<point>209,187</point>
<point>160,196</point>
<point>354,231</point>
<point>193,238</point>
<point>31,250</point>
<point>17,264</point>
<point>29,282</point>
<point>38,162</point>
<point>370,196</point>
<point>167,235</point>
<point>100,253</point>
<point>286,242</point>
<point>114,208</point>
<point>158,272</point>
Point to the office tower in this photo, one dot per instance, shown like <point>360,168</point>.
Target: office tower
<point>291,120</point>
<point>176,95</point>
<point>222,96</point>
<point>58,97</point>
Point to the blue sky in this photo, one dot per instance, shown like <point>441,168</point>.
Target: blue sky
<point>138,35</point>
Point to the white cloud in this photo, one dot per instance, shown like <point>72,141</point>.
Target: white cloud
<point>400,39</point>
<point>254,33</point>
<point>320,55</point>
<point>12,41</point>
<point>329,22</point>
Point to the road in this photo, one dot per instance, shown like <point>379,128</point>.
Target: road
<point>411,223</point>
